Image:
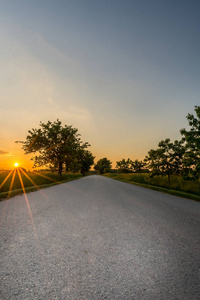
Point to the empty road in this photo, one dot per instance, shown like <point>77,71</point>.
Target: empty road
<point>97,238</point>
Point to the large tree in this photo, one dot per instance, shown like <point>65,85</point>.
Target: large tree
<point>192,144</point>
<point>103,165</point>
<point>52,144</point>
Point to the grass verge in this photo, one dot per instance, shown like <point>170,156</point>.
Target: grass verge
<point>157,188</point>
<point>4,195</point>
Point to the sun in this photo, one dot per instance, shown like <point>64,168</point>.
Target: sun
<point>16,164</point>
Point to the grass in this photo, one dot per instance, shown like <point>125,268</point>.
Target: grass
<point>177,186</point>
<point>31,181</point>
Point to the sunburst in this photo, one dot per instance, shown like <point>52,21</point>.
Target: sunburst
<point>20,171</point>
<point>4,181</point>
<point>47,177</point>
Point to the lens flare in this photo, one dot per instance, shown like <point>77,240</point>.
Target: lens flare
<point>11,184</point>
<point>6,179</point>
<point>26,198</point>
<point>47,177</point>
<point>21,170</point>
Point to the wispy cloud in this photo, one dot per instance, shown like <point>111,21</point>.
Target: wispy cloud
<point>5,153</point>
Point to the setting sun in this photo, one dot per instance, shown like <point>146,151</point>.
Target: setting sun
<point>16,164</point>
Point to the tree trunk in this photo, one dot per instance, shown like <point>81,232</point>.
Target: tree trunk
<point>168,178</point>
<point>60,168</point>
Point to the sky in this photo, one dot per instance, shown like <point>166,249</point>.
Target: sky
<point>125,73</point>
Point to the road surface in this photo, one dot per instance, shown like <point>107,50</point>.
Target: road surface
<point>97,238</point>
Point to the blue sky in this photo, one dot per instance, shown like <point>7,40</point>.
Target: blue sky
<point>125,73</point>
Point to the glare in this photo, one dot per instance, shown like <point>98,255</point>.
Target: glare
<point>16,164</point>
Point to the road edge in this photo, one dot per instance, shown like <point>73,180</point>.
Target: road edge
<point>161,189</point>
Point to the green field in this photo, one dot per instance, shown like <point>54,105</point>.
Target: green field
<point>181,187</point>
<point>30,180</point>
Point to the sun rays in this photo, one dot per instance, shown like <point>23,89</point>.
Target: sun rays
<point>44,176</point>
<point>20,174</point>
<point>26,198</point>
<point>4,181</point>
<point>28,177</point>
<point>11,184</point>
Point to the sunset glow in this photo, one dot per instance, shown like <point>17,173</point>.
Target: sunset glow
<point>16,164</point>
<point>124,85</point>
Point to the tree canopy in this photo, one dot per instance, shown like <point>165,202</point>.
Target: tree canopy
<point>103,166</point>
<point>167,159</point>
<point>138,166</point>
<point>123,165</point>
<point>55,145</point>
<point>191,138</point>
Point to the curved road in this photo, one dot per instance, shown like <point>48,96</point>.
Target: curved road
<point>97,238</point>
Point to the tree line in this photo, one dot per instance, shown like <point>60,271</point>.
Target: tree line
<point>181,157</point>
<point>61,148</point>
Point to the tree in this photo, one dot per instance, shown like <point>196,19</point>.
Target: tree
<point>191,138</point>
<point>167,159</point>
<point>178,153</point>
<point>165,155</point>
<point>138,166</point>
<point>81,163</point>
<point>123,165</point>
<point>87,160</point>
<point>52,143</point>
<point>103,166</point>
<point>153,163</point>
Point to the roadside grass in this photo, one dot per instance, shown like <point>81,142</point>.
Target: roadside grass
<point>177,186</point>
<point>31,182</point>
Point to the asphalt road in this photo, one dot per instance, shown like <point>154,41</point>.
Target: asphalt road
<point>97,238</point>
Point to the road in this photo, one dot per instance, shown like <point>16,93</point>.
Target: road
<point>97,238</point>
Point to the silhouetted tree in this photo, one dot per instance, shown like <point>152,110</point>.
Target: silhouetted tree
<point>191,138</point>
<point>153,162</point>
<point>85,160</point>
<point>123,165</point>
<point>103,165</point>
<point>178,154</point>
<point>138,166</point>
<point>80,162</point>
<point>165,155</point>
<point>52,143</point>
<point>167,159</point>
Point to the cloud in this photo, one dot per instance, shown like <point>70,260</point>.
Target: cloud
<point>4,152</point>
